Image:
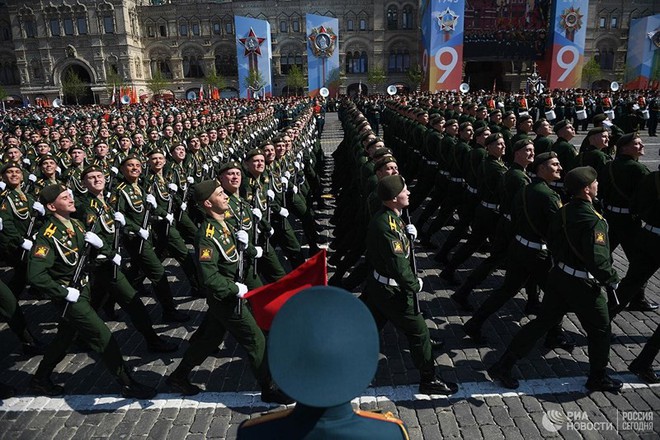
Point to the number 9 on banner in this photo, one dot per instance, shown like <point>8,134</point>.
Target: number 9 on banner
<point>449,67</point>
<point>570,65</point>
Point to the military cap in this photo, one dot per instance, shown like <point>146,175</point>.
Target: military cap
<point>383,160</point>
<point>465,125</point>
<point>479,131</point>
<point>561,124</point>
<point>493,138</point>
<point>523,118</point>
<point>229,166</point>
<point>626,139</point>
<point>578,178</point>
<point>46,157</point>
<point>599,118</point>
<point>129,157</point>
<point>374,141</point>
<point>9,165</point>
<point>390,186</point>
<point>522,143</point>
<point>481,108</point>
<point>451,122</point>
<point>204,189</point>
<point>509,113</point>
<point>50,193</point>
<point>597,130</point>
<point>538,123</point>
<point>155,151</point>
<point>541,159</point>
<point>255,152</point>
<point>323,347</point>
<point>90,169</point>
<point>100,142</point>
<point>380,152</point>
<point>494,112</point>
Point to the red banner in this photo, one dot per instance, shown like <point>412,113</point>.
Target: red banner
<point>267,300</point>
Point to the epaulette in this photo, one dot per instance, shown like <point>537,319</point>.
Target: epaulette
<point>276,415</point>
<point>50,230</point>
<point>210,231</point>
<point>392,222</point>
<point>121,185</point>
<point>384,417</point>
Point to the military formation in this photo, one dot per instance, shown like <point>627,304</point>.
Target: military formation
<point>507,183</point>
<point>93,203</point>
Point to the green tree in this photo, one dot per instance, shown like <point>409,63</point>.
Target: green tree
<point>73,86</point>
<point>215,80</point>
<point>157,83</point>
<point>254,81</point>
<point>295,80</point>
<point>415,76</point>
<point>335,80</point>
<point>3,93</point>
<point>591,71</point>
<point>114,81</point>
<point>376,77</point>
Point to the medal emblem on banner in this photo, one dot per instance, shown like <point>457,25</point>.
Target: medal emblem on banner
<point>447,21</point>
<point>571,22</point>
<point>252,43</point>
<point>322,41</point>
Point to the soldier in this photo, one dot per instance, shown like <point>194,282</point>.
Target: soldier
<point>58,250</point>
<point>579,244</point>
<point>323,381</point>
<point>389,292</point>
<point>217,249</point>
<point>542,141</point>
<point>595,153</point>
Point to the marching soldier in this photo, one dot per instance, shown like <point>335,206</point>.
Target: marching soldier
<point>58,251</point>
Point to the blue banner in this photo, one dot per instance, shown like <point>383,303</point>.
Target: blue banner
<point>322,54</point>
<point>254,54</point>
<point>643,60</point>
<point>569,34</point>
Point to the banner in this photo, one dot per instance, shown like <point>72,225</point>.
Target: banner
<point>442,40</point>
<point>643,60</point>
<point>254,54</point>
<point>267,300</point>
<point>569,31</point>
<point>322,54</point>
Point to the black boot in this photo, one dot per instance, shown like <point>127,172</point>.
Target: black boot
<point>501,371</point>
<point>164,295</point>
<point>178,380</point>
<point>43,386</point>
<point>644,372</point>
<point>430,383</point>
<point>558,338</point>
<point>31,345</point>
<point>158,344</point>
<point>603,382</point>
<point>6,391</point>
<point>131,389</point>
<point>460,297</point>
<point>472,328</point>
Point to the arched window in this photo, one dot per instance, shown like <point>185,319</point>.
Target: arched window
<point>9,71</point>
<point>192,65</point>
<point>160,62</point>
<point>364,62</point>
<point>349,62</point>
<point>407,17</point>
<point>606,56</point>
<point>225,63</point>
<point>392,18</point>
<point>398,60</point>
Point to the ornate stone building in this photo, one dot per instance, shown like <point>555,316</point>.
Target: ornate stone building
<point>110,41</point>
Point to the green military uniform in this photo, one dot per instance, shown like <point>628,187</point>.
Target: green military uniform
<point>239,217</point>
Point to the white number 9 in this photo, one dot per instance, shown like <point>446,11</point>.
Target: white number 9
<point>568,67</point>
<point>448,68</point>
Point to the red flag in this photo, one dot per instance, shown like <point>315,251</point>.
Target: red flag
<point>267,300</point>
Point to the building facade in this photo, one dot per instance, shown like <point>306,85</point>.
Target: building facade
<point>106,42</point>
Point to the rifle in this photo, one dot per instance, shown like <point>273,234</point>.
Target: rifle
<point>612,298</point>
<point>255,233</point>
<point>268,220</point>
<point>413,261</point>
<point>170,204</point>
<point>184,197</point>
<point>240,278</point>
<point>76,280</point>
<point>116,246</point>
<point>30,229</point>
<point>147,210</point>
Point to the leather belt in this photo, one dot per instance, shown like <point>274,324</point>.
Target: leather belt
<point>472,190</point>
<point>384,280</point>
<point>557,184</point>
<point>584,275</point>
<point>456,179</point>
<point>617,210</point>
<point>492,206</point>
<point>531,244</point>
<point>651,228</point>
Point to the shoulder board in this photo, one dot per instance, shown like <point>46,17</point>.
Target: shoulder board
<point>392,222</point>
<point>266,418</point>
<point>50,230</point>
<point>385,417</point>
<point>210,231</point>
<point>94,203</point>
<point>122,185</point>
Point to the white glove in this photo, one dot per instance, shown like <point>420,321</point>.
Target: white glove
<point>607,123</point>
<point>297,165</point>
<point>411,230</point>
<point>3,185</point>
<point>295,189</point>
<point>184,206</point>
<point>260,252</point>
<point>271,194</point>
<point>271,232</point>
<point>1,225</point>
<point>421,284</point>
<point>284,212</point>
<point>172,187</point>
<point>32,178</point>
<point>242,238</point>
<point>119,218</point>
<point>242,290</point>
<point>215,159</point>
<point>170,218</point>
<point>152,201</point>
<point>190,180</point>
<point>613,286</point>
<point>37,206</point>
<point>205,167</point>
<point>58,170</point>
<point>144,234</point>
<point>284,180</point>
<point>114,170</point>
<point>70,191</point>
<point>287,175</point>
<point>72,294</point>
<point>256,212</point>
<point>26,161</point>
<point>93,239</point>
<point>116,260</point>
<point>27,244</point>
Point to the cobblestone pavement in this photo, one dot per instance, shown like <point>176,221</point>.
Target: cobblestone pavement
<point>552,401</point>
